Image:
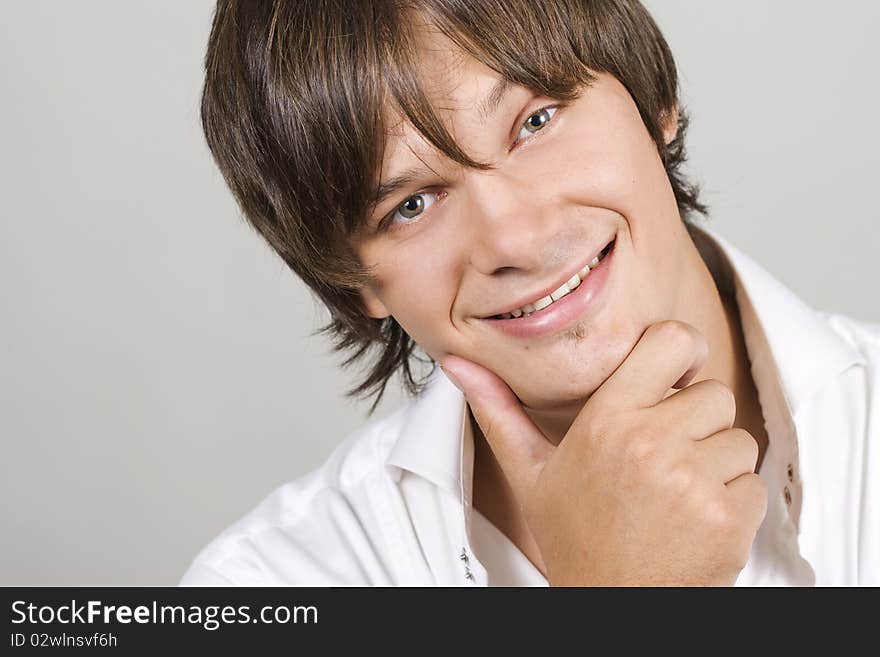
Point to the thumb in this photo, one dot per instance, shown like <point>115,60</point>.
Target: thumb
<point>519,445</point>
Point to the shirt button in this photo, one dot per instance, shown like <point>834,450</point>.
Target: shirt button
<point>790,472</point>
<point>787,494</point>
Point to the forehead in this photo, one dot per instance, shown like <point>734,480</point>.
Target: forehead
<point>455,84</point>
<point>445,72</point>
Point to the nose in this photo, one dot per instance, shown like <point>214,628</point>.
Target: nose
<point>512,223</point>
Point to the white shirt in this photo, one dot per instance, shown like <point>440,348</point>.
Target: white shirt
<point>392,505</point>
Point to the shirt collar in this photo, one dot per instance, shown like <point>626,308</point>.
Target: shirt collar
<point>793,349</point>
<point>431,431</point>
<point>806,352</point>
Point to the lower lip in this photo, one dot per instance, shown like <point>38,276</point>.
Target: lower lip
<point>561,314</point>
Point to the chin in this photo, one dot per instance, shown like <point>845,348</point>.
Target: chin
<point>571,376</point>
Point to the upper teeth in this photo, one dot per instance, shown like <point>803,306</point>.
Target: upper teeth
<point>557,294</point>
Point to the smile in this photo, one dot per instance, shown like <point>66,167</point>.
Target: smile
<point>569,286</point>
<point>560,309</point>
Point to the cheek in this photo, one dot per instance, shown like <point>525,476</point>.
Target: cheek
<point>417,286</point>
<point>616,167</point>
<point>610,161</point>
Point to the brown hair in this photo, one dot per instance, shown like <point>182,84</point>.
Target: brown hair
<point>292,109</point>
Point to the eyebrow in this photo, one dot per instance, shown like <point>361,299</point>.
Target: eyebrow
<point>399,181</point>
<point>493,99</point>
<point>486,108</point>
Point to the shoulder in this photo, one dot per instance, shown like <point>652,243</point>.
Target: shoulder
<point>324,528</point>
<point>862,336</point>
<point>861,464</point>
<point>858,387</point>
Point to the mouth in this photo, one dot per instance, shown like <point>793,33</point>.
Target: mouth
<point>557,292</point>
<point>561,305</point>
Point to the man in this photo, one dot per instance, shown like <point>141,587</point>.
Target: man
<point>626,399</point>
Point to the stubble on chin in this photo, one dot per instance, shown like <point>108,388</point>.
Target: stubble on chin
<point>576,333</point>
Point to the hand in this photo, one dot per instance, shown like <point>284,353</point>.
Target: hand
<point>645,488</point>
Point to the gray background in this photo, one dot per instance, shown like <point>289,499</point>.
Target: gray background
<point>156,375</point>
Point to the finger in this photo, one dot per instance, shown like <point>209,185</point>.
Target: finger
<point>669,354</point>
<point>748,494</point>
<point>519,446</point>
<point>702,409</point>
<point>728,454</point>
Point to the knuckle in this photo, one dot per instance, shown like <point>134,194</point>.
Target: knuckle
<point>721,398</point>
<point>734,519</point>
<point>760,492</point>
<point>721,516</point>
<point>640,450</point>
<point>680,479</point>
<point>749,444</point>
<point>673,332</point>
<point>752,496</point>
<point>754,484</point>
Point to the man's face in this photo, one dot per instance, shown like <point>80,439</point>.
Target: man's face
<point>464,245</point>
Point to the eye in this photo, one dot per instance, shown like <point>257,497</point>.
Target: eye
<point>536,122</point>
<point>413,207</point>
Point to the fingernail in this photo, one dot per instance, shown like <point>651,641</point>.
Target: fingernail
<point>452,378</point>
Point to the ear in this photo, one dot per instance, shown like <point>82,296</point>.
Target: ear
<point>372,304</point>
<point>669,121</point>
